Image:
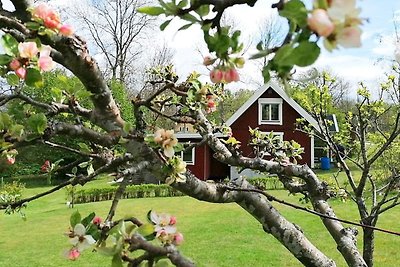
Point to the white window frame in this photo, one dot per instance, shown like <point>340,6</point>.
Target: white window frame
<point>180,154</point>
<point>263,101</point>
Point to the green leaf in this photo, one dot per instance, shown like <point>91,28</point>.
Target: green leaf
<point>165,24</point>
<point>184,27</point>
<point>182,4</point>
<point>127,127</point>
<point>88,219</point>
<point>10,45</point>
<point>116,261</point>
<point>305,54</point>
<point>12,79</point>
<point>57,95</point>
<point>262,53</point>
<point>106,251</point>
<point>32,25</point>
<point>146,229</point>
<point>17,130</point>
<point>34,78</point>
<point>151,10</point>
<point>296,11</point>
<point>84,148</point>
<point>5,121</point>
<point>189,17</point>
<point>38,123</point>
<point>5,59</point>
<point>203,10</point>
<point>75,218</point>
<point>266,74</point>
<point>282,56</point>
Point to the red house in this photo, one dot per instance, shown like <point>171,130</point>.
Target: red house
<point>269,109</point>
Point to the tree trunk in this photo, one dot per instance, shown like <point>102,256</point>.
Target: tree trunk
<point>368,246</point>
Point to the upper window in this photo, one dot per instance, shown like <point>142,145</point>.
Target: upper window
<point>270,111</point>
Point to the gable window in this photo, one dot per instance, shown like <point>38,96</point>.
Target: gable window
<point>187,156</point>
<point>270,111</point>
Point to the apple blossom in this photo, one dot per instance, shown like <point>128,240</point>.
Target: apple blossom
<point>162,224</point>
<point>66,30</point>
<point>216,75</point>
<point>167,140</point>
<point>349,37</point>
<point>21,73</point>
<point>28,50</point>
<point>15,64</point>
<point>41,11</point>
<point>78,238</point>
<point>320,22</point>
<point>341,9</point>
<point>172,220</point>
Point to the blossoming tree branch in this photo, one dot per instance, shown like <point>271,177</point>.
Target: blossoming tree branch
<point>35,41</point>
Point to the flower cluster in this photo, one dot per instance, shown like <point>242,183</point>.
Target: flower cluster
<point>178,171</point>
<point>225,72</point>
<point>50,19</point>
<point>165,228</point>
<point>338,21</point>
<point>10,156</point>
<point>79,240</point>
<point>167,140</point>
<point>29,55</point>
<point>211,104</point>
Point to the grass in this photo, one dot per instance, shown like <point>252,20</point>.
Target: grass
<point>215,234</point>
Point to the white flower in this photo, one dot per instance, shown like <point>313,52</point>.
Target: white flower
<point>341,9</point>
<point>162,223</point>
<point>349,37</point>
<point>80,240</point>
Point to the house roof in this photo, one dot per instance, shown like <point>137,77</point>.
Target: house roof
<point>282,94</point>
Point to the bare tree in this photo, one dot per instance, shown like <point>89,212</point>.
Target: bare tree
<point>118,31</point>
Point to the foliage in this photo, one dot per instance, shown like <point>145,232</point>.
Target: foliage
<point>11,192</point>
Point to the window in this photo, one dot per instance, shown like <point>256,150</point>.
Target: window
<point>187,156</point>
<point>270,111</point>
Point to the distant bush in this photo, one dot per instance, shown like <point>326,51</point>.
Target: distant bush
<point>10,192</point>
<point>266,183</point>
<point>133,191</point>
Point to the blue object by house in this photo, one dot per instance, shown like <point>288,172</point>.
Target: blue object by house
<point>325,163</point>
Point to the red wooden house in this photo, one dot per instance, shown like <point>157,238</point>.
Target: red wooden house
<point>269,109</point>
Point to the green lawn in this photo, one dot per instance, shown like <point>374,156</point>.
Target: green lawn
<point>215,234</point>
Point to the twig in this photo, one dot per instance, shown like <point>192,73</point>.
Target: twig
<point>272,198</point>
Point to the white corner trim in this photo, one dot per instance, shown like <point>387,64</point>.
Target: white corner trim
<point>312,152</point>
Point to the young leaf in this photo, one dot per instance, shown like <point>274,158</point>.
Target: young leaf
<point>5,59</point>
<point>305,54</point>
<point>38,123</point>
<point>151,10</point>
<point>75,218</point>
<point>165,24</point>
<point>296,11</point>
<point>12,79</point>
<point>10,44</point>
<point>116,261</point>
<point>88,219</point>
<point>146,229</point>
<point>34,78</point>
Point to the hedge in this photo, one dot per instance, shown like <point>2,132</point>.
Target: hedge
<point>154,190</point>
<point>132,191</point>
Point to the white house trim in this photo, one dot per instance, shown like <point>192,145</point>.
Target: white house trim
<point>312,151</point>
<point>282,94</point>
<point>193,157</point>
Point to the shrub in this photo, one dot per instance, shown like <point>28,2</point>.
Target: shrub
<point>10,192</point>
<point>266,183</point>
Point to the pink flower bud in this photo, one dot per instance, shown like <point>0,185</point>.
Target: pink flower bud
<point>231,75</point>
<point>216,75</point>
<point>10,160</point>
<point>349,37</point>
<point>15,64</point>
<point>97,220</point>
<point>45,166</point>
<point>320,22</point>
<point>172,220</point>
<point>207,61</point>
<point>66,30</point>
<point>178,239</point>
<point>73,254</point>
<point>21,73</point>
